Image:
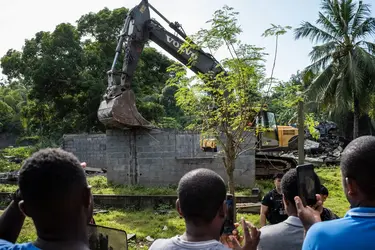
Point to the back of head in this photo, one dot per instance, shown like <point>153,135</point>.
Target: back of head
<point>51,181</point>
<point>201,193</point>
<point>289,185</point>
<point>358,163</point>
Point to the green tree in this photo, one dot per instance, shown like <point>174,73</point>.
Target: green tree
<point>345,57</point>
<point>65,71</point>
<point>222,106</point>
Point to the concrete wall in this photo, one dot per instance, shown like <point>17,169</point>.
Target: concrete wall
<point>90,148</point>
<point>153,158</point>
<point>7,140</point>
<point>159,158</point>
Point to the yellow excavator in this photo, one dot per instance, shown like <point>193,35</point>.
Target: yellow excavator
<point>118,108</point>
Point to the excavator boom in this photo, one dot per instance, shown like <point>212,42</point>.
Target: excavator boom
<point>118,108</point>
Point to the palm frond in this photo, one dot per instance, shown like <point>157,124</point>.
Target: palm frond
<point>318,86</point>
<point>320,64</point>
<point>328,25</point>
<point>369,46</point>
<point>314,33</point>
<point>347,12</point>
<point>363,11</point>
<point>364,29</point>
<point>366,59</point>
<point>354,74</point>
<point>322,50</point>
<point>332,10</point>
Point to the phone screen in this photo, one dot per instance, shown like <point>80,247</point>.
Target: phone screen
<point>229,219</point>
<point>308,184</point>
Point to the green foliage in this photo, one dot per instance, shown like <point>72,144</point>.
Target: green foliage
<point>19,152</point>
<point>64,72</point>
<point>345,58</point>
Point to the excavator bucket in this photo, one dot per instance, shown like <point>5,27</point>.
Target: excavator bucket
<point>121,112</point>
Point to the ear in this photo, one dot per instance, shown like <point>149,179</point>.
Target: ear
<point>87,197</point>
<point>351,187</point>
<point>22,208</point>
<point>179,208</point>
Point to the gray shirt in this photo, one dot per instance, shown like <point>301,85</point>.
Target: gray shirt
<point>288,235</point>
<point>176,243</point>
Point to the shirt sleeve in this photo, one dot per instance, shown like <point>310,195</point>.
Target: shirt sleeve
<point>267,200</point>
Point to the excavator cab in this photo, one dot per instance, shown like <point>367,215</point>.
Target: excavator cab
<point>274,137</point>
<point>268,137</point>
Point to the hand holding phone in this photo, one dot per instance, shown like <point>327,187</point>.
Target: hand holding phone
<point>229,218</point>
<point>308,184</point>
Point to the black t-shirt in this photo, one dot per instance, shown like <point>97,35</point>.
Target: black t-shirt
<point>327,214</point>
<point>276,212</point>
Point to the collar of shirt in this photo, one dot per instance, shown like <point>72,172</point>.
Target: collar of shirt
<point>294,221</point>
<point>361,212</point>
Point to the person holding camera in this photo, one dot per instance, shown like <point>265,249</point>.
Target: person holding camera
<point>53,191</point>
<point>357,229</point>
<point>272,208</point>
<point>289,233</point>
<point>201,202</point>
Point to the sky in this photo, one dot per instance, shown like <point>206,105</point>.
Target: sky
<point>21,19</point>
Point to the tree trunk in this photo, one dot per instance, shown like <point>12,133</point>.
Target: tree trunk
<point>301,134</point>
<point>230,163</point>
<point>356,118</point>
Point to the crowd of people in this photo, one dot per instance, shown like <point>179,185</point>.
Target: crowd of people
<point>54,192</point>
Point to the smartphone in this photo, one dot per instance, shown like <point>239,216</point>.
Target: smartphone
<point>229,218</point>
<point>308,184</point>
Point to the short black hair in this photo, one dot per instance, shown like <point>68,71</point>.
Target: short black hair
<point>50,176</point>
<point>358,163</point>
<point>289,185</point>
<point>323,190</point>
<point>201,193</point>
<point>278,176</point>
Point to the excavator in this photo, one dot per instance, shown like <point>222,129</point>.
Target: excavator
<point>118,107</point>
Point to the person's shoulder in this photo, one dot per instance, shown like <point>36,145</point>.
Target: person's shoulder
<point>268,196</point>
<point>6,245</point>
<point>323,228</point>
<point>161,244</point>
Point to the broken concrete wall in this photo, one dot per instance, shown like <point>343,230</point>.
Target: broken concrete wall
<point>159,158</point>
<point>90,148</point>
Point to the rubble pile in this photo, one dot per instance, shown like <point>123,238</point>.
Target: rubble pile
<point>325,150</point>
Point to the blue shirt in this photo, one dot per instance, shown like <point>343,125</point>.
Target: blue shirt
<point>355,231</point>
<point>5,245</point>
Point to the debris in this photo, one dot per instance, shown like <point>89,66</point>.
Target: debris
<point>165,228</point>
<point>148,238</point>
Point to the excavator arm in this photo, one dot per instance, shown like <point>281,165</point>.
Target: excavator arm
<point>118,108</point>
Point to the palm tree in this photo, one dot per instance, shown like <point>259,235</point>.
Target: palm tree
<point>345,59</point>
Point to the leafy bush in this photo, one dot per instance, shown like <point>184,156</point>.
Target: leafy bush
<point>19,152</point>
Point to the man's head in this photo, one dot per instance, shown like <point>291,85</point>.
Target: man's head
<point>55,192</point>
<point>358,171</point>
<point>324,193</point>
<point>277,180</point>
<point>289,189</point>
<point>201,198</point>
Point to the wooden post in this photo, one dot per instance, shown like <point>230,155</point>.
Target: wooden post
<point>301,134</point>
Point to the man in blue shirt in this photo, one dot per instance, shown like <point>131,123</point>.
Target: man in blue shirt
<point>357,229</point>
<point>55,194</point>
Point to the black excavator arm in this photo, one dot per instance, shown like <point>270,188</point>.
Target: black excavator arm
<point>118,108</point>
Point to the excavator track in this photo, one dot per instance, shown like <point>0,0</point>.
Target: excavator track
<point>268,165</point>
